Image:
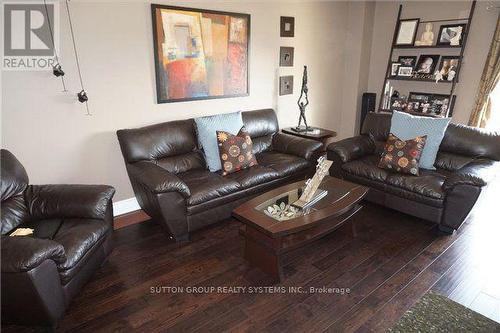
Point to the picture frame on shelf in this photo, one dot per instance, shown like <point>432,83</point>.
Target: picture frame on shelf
<point>451,34</point>
<point>394,69</point>
<point>448,68</point>
<point>405,71</point>
<point>427,63</point>
<point>286,56</point>
<point>439,105</point>
<point>407,60</point>
<point>419,96</point>
<point>407,32</point>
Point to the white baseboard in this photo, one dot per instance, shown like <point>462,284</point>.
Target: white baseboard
<point>125,206</point>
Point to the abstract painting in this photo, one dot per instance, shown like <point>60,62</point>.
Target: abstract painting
<point>200,54</point>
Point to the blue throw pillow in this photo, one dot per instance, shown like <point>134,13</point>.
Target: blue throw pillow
<point>207,128</point>
<point>406,126</point>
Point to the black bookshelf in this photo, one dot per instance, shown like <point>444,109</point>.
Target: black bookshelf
<point>460,48</point>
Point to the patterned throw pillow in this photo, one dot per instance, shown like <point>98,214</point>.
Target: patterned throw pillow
<point>235,151</point>
<point>402,156</point>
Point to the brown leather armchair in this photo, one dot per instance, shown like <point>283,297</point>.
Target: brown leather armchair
<point>468,159</point>
<point>72,226</point>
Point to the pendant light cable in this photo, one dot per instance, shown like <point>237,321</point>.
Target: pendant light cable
<point>76,56</point>
<point>53,42</point>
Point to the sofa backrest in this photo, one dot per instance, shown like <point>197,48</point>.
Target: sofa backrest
<point>172,145</point>
<point>261,125</point>
<point>471,141</point>
<point>458,139</point>
<point>14,181</point>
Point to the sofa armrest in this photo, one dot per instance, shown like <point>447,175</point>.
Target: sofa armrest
<point>352,148</point>
<point>22,253</point>
<point>156,179</point>
<point>462,179</point>
<point>294,145</point>
<point>69,201</point>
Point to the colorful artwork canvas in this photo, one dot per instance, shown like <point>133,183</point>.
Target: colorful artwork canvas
<point>200,54</point>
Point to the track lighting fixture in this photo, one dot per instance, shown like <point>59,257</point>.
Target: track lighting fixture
<point>57,70</point>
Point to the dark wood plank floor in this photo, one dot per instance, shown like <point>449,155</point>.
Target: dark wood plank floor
<point>392,262</point>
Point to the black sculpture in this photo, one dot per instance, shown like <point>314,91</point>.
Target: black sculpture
<point>302,106</point>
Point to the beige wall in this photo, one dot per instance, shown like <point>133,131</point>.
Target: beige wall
<point>344,44</point>
<point>478,43</point>
<point>58,143</point>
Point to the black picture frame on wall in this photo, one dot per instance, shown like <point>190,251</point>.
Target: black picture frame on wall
<point>160,72</point>
<point>287,26</point>
<point>286,56</point>
<point>286,85</point>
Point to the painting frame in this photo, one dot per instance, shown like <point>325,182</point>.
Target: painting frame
<point>160,98</point>
<point>406,32</point>
<point>286,56</point>
<point>440,42</point>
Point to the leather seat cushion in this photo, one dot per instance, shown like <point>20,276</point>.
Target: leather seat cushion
<point>78,236</point>
<point>366,167</point>
<point>252,176</point>
<point>425,188</point>
<point>284,164</point>
<point>205,185</point>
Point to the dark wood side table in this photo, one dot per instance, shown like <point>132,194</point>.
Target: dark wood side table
<point>324,136</point>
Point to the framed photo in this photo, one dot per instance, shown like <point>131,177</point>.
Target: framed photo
<point>439,105</point>
<point>394,68</point>
<point>287,26</point>
<point>286,85</point>
<point>398,104</point>
<point>199,54</point>
<point>419,97</point>
<point>407,30</point>
<point>427,63</point>
<point>448,67</point>
<point>286,56</point>
<point>406,71</point>
<point>407,60</point>
<point>451,34</point>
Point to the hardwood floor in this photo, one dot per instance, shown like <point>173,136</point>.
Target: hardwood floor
<point>391,263</point>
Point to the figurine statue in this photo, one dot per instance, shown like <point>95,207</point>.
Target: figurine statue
<point>427,37</point>
<point>311,192</point>
<point>302,106</point>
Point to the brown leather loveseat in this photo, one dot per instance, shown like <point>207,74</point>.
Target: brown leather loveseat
<point>467,160</point>
<point>73,227</point>
<point>173,186</point>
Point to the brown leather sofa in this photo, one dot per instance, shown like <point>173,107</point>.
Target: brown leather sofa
<point>173,186</point>
<point>72,226</point>
<point>468,159</point>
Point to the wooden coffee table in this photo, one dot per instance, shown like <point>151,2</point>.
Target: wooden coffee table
<point>268,239</point>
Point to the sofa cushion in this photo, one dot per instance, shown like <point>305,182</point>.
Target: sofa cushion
<point>406,126</point>
<point>78,236</point>
<point>206,128</point>
<point>235,151</point>
<point>284,164</point>
<point>252,176</point>
<point>428,184</point>
<point>366,167</point>
<point>205,185</point>
<point>402,156</point>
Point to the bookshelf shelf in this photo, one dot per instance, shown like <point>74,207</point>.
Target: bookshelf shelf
<point>386,100</point>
